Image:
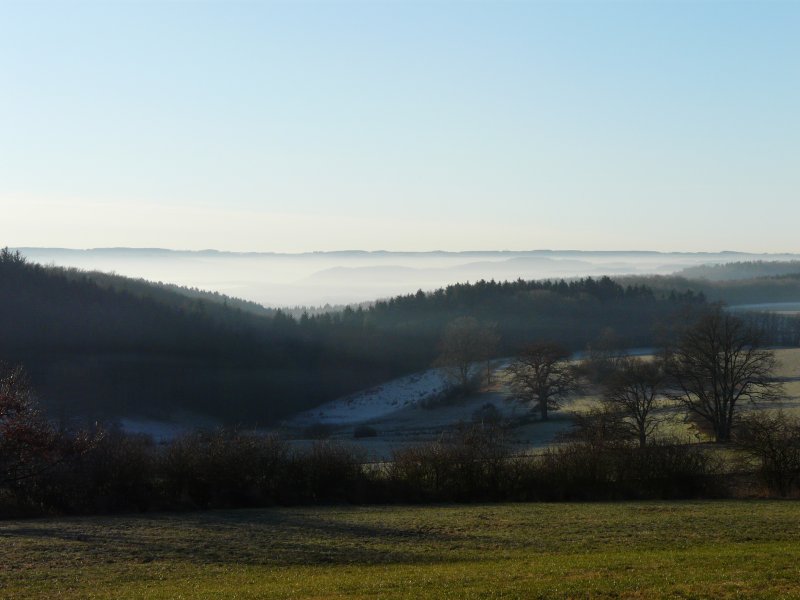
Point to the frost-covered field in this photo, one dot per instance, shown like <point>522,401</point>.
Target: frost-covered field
<point>376,402</point>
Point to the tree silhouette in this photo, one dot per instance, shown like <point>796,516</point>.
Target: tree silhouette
<point>631,391</point>
<point>718,362</point>
<point>542,377</point>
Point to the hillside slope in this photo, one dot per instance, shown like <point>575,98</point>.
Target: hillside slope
<point>104,346</point>
<point>105,349</point>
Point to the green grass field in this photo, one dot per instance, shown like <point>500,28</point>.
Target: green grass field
<point>629,550</point>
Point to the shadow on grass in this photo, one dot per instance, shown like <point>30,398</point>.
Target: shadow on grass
<point>230,537</point>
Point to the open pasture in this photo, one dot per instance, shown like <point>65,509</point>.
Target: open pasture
<point>712,549</point>
<point>789,370</point>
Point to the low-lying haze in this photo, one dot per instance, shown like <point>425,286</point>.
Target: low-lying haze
<point>319,278</point>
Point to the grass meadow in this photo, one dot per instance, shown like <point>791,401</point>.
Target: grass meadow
<point>709,549</point>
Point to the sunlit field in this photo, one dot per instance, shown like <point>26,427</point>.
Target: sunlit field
<point>627,550</point>
<point>789,369</point>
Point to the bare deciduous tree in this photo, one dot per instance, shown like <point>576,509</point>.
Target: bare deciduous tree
<point>466,342</point>
<point>718,362</point>
<point>631,391</point>
<point>542,377</point>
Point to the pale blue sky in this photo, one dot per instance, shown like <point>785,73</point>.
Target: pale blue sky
<point>402,126</point>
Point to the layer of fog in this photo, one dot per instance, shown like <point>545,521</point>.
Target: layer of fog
<point>316,279</point>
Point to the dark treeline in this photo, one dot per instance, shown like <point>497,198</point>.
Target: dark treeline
<point>778,329</point>
<point>574,313</point>
<point>108,346</point>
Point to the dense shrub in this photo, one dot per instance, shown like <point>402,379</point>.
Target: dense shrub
<point>670,470</point>
<point>226,468</point>
<point>326,472</point>
<point>467,465</point>
<point>774,441</point>
<point>582,471</point>
<point>118,472</point>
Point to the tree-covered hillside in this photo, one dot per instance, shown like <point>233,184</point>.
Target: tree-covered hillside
<point>107,346</point>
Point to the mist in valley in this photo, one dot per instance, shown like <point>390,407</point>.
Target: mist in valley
<point>336,278</point>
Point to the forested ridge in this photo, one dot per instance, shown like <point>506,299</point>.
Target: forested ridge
<point>743,270</point>
<point>106,346</point>
<point>758,289</point>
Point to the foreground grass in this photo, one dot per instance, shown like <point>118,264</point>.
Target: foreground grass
<point>634,550</point>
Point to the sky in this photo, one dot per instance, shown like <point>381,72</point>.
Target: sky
<point>302,126</point>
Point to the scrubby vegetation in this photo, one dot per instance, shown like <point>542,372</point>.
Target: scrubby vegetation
<point>230,469</point>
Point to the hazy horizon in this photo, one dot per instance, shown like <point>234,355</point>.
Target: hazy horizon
<point>354,250</point>
<point>317,279</point>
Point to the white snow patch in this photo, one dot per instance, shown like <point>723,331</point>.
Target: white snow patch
<point>377,401</point>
